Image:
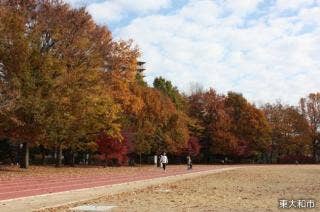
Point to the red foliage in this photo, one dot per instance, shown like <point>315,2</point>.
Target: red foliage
<point>193,146</point>
<point>128,136</point>
<point>113,149</point>
<point>242,149</point>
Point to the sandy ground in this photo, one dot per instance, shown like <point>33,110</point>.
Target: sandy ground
<point>246,189</point>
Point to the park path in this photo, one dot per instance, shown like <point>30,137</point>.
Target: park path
<point>48,191</point>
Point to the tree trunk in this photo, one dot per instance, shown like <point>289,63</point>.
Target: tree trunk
<point>55,152</point>
<point>24,160</point>
<point>89,159</point>
<point>140,158</point>
<point>72,159</point>
<point>43,155</point>
<point>271,153</point>
<point>105,160</point>
<point>314,150</point>
<point>59,158</point>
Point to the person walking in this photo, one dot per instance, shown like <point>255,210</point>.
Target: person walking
<point>189,162</point>
<point>164,161</point>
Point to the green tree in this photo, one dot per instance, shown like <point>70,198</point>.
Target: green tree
<point>171,91</point>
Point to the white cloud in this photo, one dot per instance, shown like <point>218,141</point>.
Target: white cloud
<point>79,3</point>
<point>144,5</point>
<point>274,58</point>
<point>105,12</point>
<point>242,7</point>
<point>202,12</point>
<point>273,55</point>
<point>115,10</point>
<point>283,5</point>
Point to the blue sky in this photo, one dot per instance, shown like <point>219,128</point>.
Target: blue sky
<point>265,49</point>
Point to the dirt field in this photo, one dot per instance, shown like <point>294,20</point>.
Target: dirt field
<point>245,189</point>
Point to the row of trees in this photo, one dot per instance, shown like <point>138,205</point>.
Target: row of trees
<point>235,128</point>
<point>65,83</point>
<point>67,86</point>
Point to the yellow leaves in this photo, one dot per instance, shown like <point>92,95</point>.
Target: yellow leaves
<point>81,81</point>
<point>160,122</point>
<point>57,60</point>
<point>123,94</point>
<point>91,146</point>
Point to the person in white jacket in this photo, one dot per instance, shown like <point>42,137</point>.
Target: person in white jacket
<point>164,161</point>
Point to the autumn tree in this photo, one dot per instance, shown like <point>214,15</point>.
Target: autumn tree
<point>113,150</point>
<point>193,146</point>
<point>120,73</point>
<point>217,138</point>
<point>181,103</point>
<point>53,60</point>
<point>79,105</point>
<point>159,123</point>
<point>290,132</point>
<point>22,80</point>
<point>249,125</point>
<point>310,108</point>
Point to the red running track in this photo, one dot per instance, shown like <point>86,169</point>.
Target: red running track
<point>29,186</point>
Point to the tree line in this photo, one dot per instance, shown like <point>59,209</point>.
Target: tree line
<point>68,88</point>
